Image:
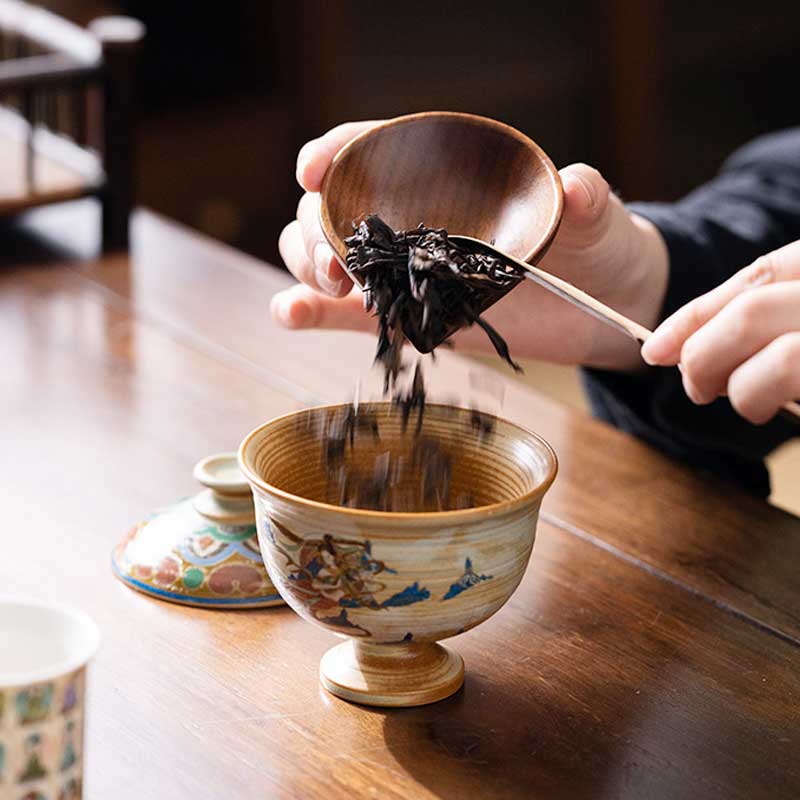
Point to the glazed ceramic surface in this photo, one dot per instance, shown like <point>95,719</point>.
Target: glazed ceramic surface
<point>42,699</point>
<point>201,551</point>
<point>397,578</point>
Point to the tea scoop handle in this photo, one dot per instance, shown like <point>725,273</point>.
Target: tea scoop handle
<point>619,321</point>
<point>587,303</point>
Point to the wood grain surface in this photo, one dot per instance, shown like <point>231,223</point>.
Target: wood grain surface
<point>652,649</point>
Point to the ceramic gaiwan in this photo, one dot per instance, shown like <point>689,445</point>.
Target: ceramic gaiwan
<point>394,584</point>
<point>201,551</point>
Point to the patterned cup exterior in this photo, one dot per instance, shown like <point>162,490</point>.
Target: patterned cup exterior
<point>394,583</point>
<point>41,739</point>
<point>395,577</point>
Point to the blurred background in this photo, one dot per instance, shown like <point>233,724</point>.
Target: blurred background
<point>655,93</point>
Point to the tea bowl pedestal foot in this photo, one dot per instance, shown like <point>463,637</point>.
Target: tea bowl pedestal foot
<point>400,675</point>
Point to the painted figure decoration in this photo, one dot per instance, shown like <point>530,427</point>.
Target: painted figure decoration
<point>33,703</point>
<point>69,757</point>
<point>33,769</point>
<point>329,575</point>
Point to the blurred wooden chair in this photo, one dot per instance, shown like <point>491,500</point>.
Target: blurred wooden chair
<point>67,113</point>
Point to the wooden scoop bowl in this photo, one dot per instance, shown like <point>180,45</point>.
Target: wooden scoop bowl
<point>468,174</point>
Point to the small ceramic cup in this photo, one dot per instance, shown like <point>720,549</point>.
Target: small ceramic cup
<point>44,650</point>
<point>392,583</point>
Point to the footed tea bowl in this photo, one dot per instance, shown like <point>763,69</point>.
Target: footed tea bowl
<point>395,583</point>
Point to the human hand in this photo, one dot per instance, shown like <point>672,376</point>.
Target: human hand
<point>741,339</point>
<point>616,256</point>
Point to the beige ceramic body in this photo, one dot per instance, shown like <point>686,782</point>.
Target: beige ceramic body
<point>395,583</point>
<point>41,736</point>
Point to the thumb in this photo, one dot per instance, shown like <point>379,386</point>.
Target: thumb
<point>586,195</point>
<point>315,156</point>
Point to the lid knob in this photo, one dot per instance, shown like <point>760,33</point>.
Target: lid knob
<point>227,499</point>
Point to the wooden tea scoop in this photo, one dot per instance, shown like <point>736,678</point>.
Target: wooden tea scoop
<point>564,289</point>
<point>459,172</point>
<point>587,303</point>
<point>448,170</point>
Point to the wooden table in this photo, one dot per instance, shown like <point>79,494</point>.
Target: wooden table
<point>652,650</point>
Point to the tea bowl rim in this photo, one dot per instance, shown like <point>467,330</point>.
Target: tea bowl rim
<point>553,224</point>
<point>444,517</point>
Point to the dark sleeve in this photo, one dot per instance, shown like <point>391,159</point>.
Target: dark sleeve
<point>750,208</point>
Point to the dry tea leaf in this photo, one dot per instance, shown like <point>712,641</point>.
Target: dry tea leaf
<point>422,288</point>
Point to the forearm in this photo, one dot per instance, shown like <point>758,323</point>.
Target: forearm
<point>638,294</point>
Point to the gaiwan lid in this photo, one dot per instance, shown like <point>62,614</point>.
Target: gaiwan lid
<point>202,551</point>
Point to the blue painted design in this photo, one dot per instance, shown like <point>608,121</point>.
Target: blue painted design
<point>341,621</point>
<point>269,531</point>
<point>469,579</point>
<point>204,601</point>
<point>411,594</point>
<point>219,556</point>
<point>314,566</point>
<point>408,637</point>
<point>369,564</point>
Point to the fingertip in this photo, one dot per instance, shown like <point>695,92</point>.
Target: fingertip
<point>277,308</point>
<point>316,155</point>
<point>760,417</point>
<point>291,312</point>
<point>655,351</point>
<point>692,391</point>
<point>577,194</point>
<point>648,356</point>
<point>308,171</point>
<point>663,346</point>
<point>312,163</point>
<point>302,166</point>
<point>329,271</point>
<point>338,275</point>
<point>313,173</point>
